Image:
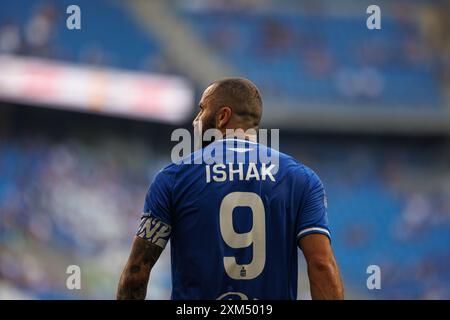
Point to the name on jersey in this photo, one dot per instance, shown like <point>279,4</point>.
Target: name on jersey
<point>236,171</point>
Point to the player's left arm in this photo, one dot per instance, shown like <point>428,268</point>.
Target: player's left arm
<point>323,272</point>
<point>314,239</point>
<point>134,279</point>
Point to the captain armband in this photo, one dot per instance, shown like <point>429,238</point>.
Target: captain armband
<point>154,231</point>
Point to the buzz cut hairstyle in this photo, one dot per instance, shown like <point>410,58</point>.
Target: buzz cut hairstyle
<point>242,96</point>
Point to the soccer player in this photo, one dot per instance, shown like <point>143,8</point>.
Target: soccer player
<point>234,227</point>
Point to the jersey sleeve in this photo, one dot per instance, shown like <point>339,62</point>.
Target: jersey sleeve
<point>156,221</point>
<point>313,216</point>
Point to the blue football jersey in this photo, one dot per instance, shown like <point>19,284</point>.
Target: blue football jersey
<point>234,225</point>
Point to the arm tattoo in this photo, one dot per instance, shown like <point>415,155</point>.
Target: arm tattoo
<point>134,279</point>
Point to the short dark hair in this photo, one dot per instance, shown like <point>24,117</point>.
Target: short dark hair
<point>242,96</point>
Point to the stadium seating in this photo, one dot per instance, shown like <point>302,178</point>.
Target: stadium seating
<point>107,35</point>
<point>324,58</point>
<point>317,58</point>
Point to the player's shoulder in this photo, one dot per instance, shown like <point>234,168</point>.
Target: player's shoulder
<point>173,169</point>
<point>295,167</point>
<point>167,173</point>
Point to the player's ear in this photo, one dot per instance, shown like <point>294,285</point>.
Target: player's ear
<point>223,117</point>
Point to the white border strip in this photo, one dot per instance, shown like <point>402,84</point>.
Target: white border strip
<point>238,140</point>
<point>313,229</point>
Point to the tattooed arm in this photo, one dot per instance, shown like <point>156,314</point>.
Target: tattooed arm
<point>151,237</point>
<point>134,279</point>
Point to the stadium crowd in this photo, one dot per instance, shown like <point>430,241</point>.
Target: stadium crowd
<point>76,198</point>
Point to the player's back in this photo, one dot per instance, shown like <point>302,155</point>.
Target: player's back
<point>236,219</point>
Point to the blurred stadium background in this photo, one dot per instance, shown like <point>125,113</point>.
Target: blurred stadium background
<point>86,117</point>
